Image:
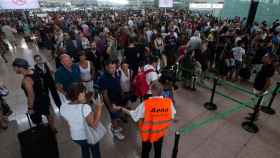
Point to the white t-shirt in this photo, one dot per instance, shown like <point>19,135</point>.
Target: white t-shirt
<point>151,76</point>
<point>72,113</point>
<point>130,23</point>
<point>149,34</point>
<point>195,42</point>
<point>138,113</point>
<point>238,53</point>
<point>125,81</point>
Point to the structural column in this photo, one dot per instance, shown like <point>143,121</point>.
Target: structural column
<point>252,13</point>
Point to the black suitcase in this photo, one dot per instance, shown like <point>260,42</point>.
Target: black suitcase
<point>38,142</point>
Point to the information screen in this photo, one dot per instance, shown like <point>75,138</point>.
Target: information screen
<point>19,4</point>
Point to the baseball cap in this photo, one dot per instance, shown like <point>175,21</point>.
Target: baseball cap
<point>22,63</point>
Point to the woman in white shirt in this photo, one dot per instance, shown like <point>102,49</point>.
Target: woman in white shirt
<point>125,81</point>
<point>76,113</point>
<point>87,71</point>
<point>159,46</point>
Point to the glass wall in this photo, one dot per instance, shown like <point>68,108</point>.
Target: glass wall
<point>268,10</point>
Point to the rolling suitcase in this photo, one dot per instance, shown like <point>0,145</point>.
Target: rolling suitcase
<point>38,142</point>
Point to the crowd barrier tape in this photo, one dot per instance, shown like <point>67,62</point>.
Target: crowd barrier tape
<point>237,87</point>
<point>230,84</point>
<point>249,125</point>
<point>201,123</point>
<point>217,116</point>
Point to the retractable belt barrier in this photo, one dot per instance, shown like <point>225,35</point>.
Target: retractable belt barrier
<point>248,125</point>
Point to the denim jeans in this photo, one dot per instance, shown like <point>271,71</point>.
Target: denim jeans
<point>87,148</point>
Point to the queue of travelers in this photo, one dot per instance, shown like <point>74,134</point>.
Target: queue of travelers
<point>112,58</point>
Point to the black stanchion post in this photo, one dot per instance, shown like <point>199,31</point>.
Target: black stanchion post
<point>210,105</point>
<point>194,80</point>
<point>268,109</point>
<point>250,126</point>
<point>176,144</point>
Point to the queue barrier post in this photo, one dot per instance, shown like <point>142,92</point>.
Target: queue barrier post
<point>176,144</point>
<point>250,125</point>
<point>193,82</point>
<point>210,105</point>
<point>268,109</point>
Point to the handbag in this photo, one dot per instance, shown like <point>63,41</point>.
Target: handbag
<point>94,135</point>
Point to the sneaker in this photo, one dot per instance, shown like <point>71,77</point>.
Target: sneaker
<point>117,130</point>
<point>119,135</point>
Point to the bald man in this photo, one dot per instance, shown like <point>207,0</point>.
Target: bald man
<point>67,74</point>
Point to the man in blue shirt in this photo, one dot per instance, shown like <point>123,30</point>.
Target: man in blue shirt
<point>67,74</point>
<point>111,92</point>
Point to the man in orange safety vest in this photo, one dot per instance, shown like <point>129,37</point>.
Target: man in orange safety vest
<point>154,116</point>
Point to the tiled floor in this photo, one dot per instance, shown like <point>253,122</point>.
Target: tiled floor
<point>222,138</point>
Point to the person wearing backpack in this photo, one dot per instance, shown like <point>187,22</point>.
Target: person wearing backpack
<point>145,78</point>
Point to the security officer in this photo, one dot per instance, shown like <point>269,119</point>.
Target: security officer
<point>154,116</point>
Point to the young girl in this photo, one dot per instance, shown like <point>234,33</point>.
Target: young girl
<point>168,89</point>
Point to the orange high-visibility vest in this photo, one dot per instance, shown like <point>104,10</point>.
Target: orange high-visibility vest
<point>157,119</point>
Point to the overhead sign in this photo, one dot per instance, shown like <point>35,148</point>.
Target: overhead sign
<point>206,6</point>
<point>165,3</point>
<point>19,4</point>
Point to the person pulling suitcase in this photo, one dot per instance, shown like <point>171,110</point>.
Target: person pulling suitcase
<point>39,141</point>
<point>38,100</point>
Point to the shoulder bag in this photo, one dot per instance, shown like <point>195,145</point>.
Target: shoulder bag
<point>94,135</point>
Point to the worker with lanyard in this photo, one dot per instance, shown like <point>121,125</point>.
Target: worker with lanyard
<point>155,117</point>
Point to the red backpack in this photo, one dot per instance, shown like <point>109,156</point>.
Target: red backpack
<point>140,85</point>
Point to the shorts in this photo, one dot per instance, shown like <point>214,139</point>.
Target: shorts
<point>114,115</point>
<point>238,65</point>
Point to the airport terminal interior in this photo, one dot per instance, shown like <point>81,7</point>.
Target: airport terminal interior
<point>216,62</point>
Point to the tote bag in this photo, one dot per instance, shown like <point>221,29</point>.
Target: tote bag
<point>94,135</point>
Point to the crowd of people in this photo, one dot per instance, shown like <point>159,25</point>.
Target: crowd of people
<point>115,57</point>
